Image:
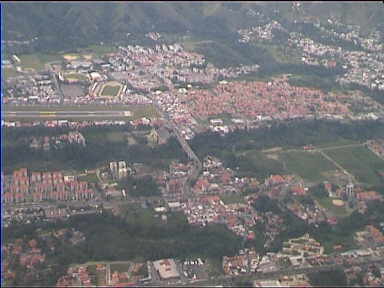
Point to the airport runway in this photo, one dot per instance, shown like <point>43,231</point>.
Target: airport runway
<point>65,114</point>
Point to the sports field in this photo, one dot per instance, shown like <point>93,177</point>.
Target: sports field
<point>75,76</point>
<point>110,90</point>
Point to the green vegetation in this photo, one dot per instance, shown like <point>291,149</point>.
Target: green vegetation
<point>148,111</point>
<point>241,150</point>
<point>77,76</point>
<point>361,162</point>
<point>136,214</point>
<point>37,61</point>
<point>234,198</point>
<point>340,142</point>
<point>256,163</point>
<point>110,90</point>
<point>98,50</point>
<point>314,81</point>
<point>92,178</point>
<point>98,151</point>
<point>110,238</point>
<point>308,165</point>
<point>337,211</point>
<point>281,54</point>
<point>84,25</point>
<point>116,137</point>
<point>332,278</point>
<point>140,187</point>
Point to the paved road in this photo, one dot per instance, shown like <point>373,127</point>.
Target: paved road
<point>187,149</point>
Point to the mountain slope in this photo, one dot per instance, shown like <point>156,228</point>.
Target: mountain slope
<point>65,25</point>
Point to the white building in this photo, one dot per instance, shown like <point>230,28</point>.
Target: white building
<point>166,268</point>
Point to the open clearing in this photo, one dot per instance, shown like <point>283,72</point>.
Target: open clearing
<point>76,76</point>
<point>337,211</point>
<point>309,166</point>
<point>109,90</point>
<point>361,162</point>
<point>230,199</point>
<point>106,137</point>
<point>37,61</point>
<point>92,178</point>
<point>116,137</point>
<point>70,57</point>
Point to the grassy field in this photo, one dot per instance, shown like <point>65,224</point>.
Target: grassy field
<point>230,199</point>
<point>135,214</point>
<point>108,137</point>
<point>148,111</point>
<point>98,50</point>
<point>110,90</point>
<point>340,142</point>
<point>359,161</point>
<point>116,137</point>
<point>337,211</point>
<point>346,241</point>
<point>38,61</point>
<point>76,76</point>
<point>92,178</point>
<point>309,166</point>
<point>282,55</point>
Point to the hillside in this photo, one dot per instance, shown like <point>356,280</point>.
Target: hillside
<point>67,25</point>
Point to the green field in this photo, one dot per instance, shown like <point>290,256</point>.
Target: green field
<point>231,199</point>
<point>326,202</point>
<point>340,142</point>
<point>110,90</point>
<point>116,137</point>
<point>98,50</point>
<point>361,162</point>
<point>281,54</point>
<point>105,137</point>
<point>148,111</point>
<point>92,178</point>
<point>309,166</point>
<point>135,214</point>
<point>38,61</point>
<point>77,76</point>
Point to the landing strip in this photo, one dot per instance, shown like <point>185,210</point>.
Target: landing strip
<point>14,115</point>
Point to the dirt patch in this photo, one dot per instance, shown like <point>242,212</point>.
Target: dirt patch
<point>70,57</point>
<point>272,156</point>
<point>271,150</point>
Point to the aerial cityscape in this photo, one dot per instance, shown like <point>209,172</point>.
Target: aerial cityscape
<point>192,144</point>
